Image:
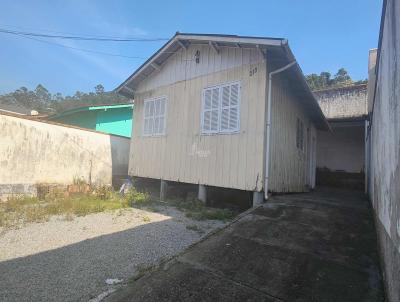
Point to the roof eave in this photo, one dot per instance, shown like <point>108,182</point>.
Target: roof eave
<point>124,90</point>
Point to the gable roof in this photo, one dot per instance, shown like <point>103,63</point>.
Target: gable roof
<point>277,49</point>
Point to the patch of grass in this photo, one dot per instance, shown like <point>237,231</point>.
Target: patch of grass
<point>20,210</point>
<point>146,219</point>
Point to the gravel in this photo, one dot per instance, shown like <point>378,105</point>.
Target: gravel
<point>63,260</point>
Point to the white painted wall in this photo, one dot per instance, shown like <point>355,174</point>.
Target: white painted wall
<point>33,152</point>
<point>184,154</point>
<point>289,166</point>
<point>224,160</point>
<point>342,149</point>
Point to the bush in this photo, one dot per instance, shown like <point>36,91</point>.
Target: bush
<point>137,198</point>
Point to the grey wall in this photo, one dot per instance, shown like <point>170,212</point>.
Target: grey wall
<point>384,147</point>
<point>34,152</point>
<point>343,102</point>
<point>342,149</point>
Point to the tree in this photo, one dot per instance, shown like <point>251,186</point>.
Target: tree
<point>342,77</point>
<point>99,89</point>
<point>43,101</point>
<point>324,80</point>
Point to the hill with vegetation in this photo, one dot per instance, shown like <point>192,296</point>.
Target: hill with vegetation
<point>43,101</point>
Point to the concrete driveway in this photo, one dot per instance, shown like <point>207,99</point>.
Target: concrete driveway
<point>318,246</point>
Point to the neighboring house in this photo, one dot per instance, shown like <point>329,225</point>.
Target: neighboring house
<point>341,153</point>
<point>383,144</point>
<point>17,109</point>
<point>202,111</point>
<point>113,119</point>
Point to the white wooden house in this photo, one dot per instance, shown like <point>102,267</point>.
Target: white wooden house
<point>225,111</point>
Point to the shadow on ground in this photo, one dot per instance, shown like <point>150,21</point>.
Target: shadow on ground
<point>77,272</point>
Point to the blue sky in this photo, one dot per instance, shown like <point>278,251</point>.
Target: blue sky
<point>324,35</point>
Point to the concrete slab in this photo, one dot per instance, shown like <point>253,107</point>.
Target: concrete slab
<point>304,247</point>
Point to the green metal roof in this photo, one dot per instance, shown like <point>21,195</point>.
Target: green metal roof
<point>90,108</point>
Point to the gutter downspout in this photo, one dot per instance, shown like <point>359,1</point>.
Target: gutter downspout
<point>268,124</point>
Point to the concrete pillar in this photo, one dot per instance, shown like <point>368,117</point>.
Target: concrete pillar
<point>163,190</point>
<point>202,195</point>
<point>258,198</point>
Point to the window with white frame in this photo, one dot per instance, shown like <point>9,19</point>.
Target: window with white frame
<point>221,109</point>
<point>300,134</point>
<point>154,116</point>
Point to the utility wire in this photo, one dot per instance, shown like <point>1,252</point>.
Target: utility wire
<point>82,49</point>
<point>7,27</point>
<point>76,37</point>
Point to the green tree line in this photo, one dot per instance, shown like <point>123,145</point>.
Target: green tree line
<point>325,80</point>
<point>43,101</point>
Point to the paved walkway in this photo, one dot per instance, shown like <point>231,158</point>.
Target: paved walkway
<point>319,246</point>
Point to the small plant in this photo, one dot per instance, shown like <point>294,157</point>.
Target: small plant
<point>137,198</point>
<point>103,192</point>
<point>146,219</point>
<point>79,181</point>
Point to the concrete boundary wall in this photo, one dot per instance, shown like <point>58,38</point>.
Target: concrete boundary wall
<point>343,102</point>
<point>36,152</point>
<point>383,141</point>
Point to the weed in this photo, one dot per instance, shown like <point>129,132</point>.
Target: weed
<point>196,209</point>
<point>195,228</point>
<point>79,181</point>
<point>19,210</point>
<point>146,219</point>
<point>137,198</point>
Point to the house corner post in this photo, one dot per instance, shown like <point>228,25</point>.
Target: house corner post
<point>202,194</point>
<point>163,190</point>
<point>258,198</point>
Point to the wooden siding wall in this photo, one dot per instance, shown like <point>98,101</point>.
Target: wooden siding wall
<point>289,167</point>
<point>183,154</point>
